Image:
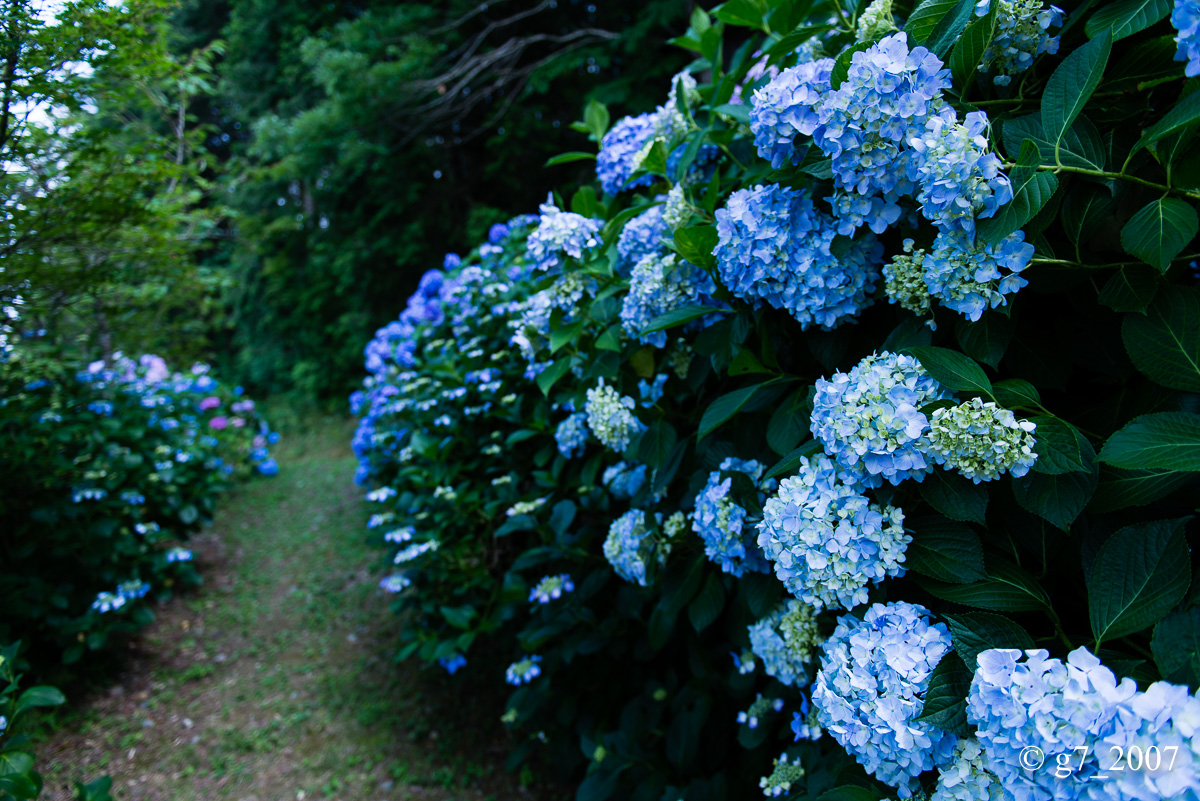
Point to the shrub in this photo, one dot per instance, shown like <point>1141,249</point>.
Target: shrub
<point>914,349</point>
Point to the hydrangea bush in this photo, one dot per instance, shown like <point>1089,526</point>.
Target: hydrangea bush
<point>841,442</point>
<point>107,468</point>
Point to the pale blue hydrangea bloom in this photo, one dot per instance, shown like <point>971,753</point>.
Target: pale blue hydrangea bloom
<point>775,246</point>
<point>619,149</point>
<point>981,440</point>
<point>381,494</point>
<point>1022,32</point>
<point>524,671</point>
<point>394,583</point>
<point>676,210</point>
<point>642,236</point>
<point>870,692</point>
<point>455,662</point>
<point>957,179</point>
<point>417,549</point>
<point>971,277</point>
<point>651,392</point>
<point>133,498</point>
<point>852,211</point>
<point>744,662</point>
<point>657,285</point>
<point>610,417</point>
<point>1186,19</point>
<point>561,235</point>
<point>551,588</point>
<point>631,547</point>
<point>531,317</point>
<point>400,535</point>
<point>869,419</point>
<point>805,725</point>
<point>1078,708</point>
<point>126,591</point>
<point>966,778</point>
<point>178,554</point>
<point>787,772</point>
<point>624,480</point>
<point>787,106</point>
<point>827,540</point>
<point>572,435</point>
<point>728,540</point>
<point>758,710</point>
<point>786,641</point>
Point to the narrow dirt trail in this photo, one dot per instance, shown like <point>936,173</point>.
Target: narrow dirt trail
<point>274,682</point>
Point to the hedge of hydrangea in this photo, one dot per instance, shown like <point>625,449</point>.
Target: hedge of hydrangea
<point>870,362</point>
<point>107,468</point>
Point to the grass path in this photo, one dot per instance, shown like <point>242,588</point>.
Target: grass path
<point>274,682</point>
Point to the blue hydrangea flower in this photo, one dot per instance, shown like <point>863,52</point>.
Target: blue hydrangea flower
<point>971,277</point>
<point>453,663</point>
<point>102,408</point>
<point>958,180</point>
<point>805,725</point>
<point>572,435</point>
<point>852,212</point>
<point>268,467</point>
<point>967,778</point>
<point>827,540</point>
<point>869,419</point>
<point>786,641</point>
<point>619,150</point>
<point>551,588</point>
<point>610,417</point>
<point>728,540</point>
<point>178,554</point>
<point>498,233</point>
<point>651,392</point>
<point>1186,18</point>
<point>451,261</point>
<point>524,671</point>
<point>700,171</point>
<point>870,692</point>
<point>982,441</point>
<point>1078,712</point>
<point>642,236</point>
<point>631,547</point>
<point>561,235</point>
<point>775,246</point>
<point>785,107</point>
<point>1022,32</point>
<point>657,285</point>
<point>624,480</point>
<point>531,317</point>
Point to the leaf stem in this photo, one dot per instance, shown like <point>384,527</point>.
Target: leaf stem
<point>1108,266</point>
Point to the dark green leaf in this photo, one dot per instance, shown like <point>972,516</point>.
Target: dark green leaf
<point>1060,447</point>
<point>975,632</point>
<point>678,317</point>
<point>946,551</point>
<point>1130,289</point>
<point>745,13</point>
<point>949,28</point>
<point>1058,499</point>
<point>1085,210</point>
<point>1127,17</point>
<point>849,792</point>
<point>968,53</point>
<point>595,117</point>
<point>696,245</point>
<point>1139,575</point>
<point>925,18</point>
<point>956,497</point>
<point>953,370</point>
<point>1008,588</point>
<point>39,696</point>
<point>706,607</point>
<point>563,335</point>
<point>567,158</point>
<point>745,362</point>
<point>1184,115</point>
<point>946,697</point>
<point>1081,146</point>
<point>1176,646</point>
<point>986,339</point>
<point>723,408</point>
<point>1164,344</point>
<point>791,462</point>
<point>1015,393</point>
<point>1120,489</point>
<point>1071,85</point>
<point>547,378</point>
<point>1160,231</point>
<point>656,444</point>
<point>1161,441</point>
<point>740,112</point>
<point>841,65</point>
<point>562,516</point>
<point>458,616</point>
<point>789,423</point>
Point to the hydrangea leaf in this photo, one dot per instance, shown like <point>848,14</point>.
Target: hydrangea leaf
<point>1120,489</point>
<point>1071,85</point>
<point>789,463</point>
<point>1081,146</point>
<point>1007,588</point>
<point>458,616</point>
<point>955,497</point>
<point>595,119</point>
<point>1161,441</point>
<point>946,551</point>
<point>1164,344</point>
<point>39,696</point>
<point>1060,447</point>
<point>1058,499</point>
<point>723,408</point>
<point>1185,113</point>
<point>968,53</point>
<point>1016,393</point>
<point>706,607</point>
<point>925,19</point>
<point>975,632</point>
<point>841,65</point>
<point>656,444</point>
<point>1160,231</point>
<point>562,516</point>
<point>949,28</point>
<point>789,424</point>
<point>761,591</point>
<point>1127,17</point>
<point>696,245</point>
<point>744,13</point>
<point>1130,289</point>
<point>1139,575</point>
<point>946,696</point>
<point>986,339</point>
<point>740,112</point>
<point>547,378</point>
<point>1085,210</point>
<point>1176,646</point>
<point>567,158</point>
<point>849,792</point>
<point>1032,189</point>
<point>953,370</point>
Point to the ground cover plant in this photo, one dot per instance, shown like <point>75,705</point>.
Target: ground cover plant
<point>842,442</point>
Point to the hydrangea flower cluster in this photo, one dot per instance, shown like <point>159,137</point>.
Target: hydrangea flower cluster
<point>972,276</point>
<point>618,150</point>
<point>759,709</point>
<point>805,725</point>
<point>870,692</point>
<point>775,246</point>
<point>642,236</point>
<point>981,440</point>
<point>904,281</point>
<point>531,323</point>
<point>551,588</point>
<point>1185,16</point>
<point>524,671</point>
<point>957,179</point>
<point>721,523</point>
<point>827,540</point>
<point>657,285</point>
<point>966,778</point>
<point>785,774</point>
<point>631,547</point>
<point>875,22</point>
<point>572,435</point>
<point>453,663</point>
<point>610,417</point>
<point>676,210</point>
<point>1025,699</point>
<point>786,641</point>
<point>1022,32</point>
<point>787,106</point>
<point>624,480</point>
<point>869,419</point>
<point>561,235</point>
<point>395,583</point>
<point>126,591</point>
